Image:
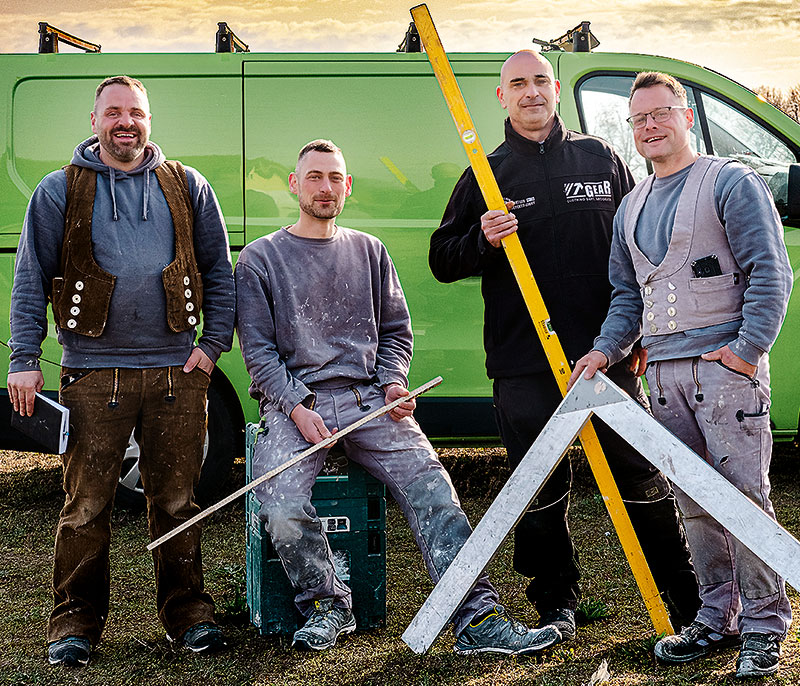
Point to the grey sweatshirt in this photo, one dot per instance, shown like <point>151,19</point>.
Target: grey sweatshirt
<point>327,312</point>
<point>755,234</point>
<point>132,238</point>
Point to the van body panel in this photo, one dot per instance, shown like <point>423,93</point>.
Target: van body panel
<point>241,118</point>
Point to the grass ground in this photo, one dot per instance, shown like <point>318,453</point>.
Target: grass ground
<point>134,650</point>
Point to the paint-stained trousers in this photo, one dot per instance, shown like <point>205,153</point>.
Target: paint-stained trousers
<point>396,453</point>
<point>105,405</point>
<point>723,415</point>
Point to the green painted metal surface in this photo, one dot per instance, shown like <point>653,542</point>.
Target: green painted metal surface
<point>240,120</point>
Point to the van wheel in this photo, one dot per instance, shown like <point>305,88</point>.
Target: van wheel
<point>218,453</point>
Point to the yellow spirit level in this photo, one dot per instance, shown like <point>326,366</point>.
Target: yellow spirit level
<point>538,312</point>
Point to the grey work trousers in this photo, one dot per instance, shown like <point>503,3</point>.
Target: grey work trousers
<point>396,453</point>
<point>723,415</point>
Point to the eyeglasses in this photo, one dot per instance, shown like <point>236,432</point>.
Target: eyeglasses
<point>659,116</point>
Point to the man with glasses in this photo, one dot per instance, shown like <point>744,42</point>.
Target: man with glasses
<point>698,265</point>
<point>565,188</point>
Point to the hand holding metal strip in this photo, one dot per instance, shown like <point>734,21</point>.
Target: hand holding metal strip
<point>322,444</point>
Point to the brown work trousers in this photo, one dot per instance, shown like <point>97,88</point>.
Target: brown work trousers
<point>105,406</point>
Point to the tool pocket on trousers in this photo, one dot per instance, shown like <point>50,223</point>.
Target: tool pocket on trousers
<point>202,371</point>
<point>70,377</point>
<point>734,371</point>
<point>752,423</point>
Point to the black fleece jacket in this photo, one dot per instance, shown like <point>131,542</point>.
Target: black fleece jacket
<point>565,192</point>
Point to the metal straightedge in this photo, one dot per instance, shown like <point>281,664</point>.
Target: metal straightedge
<point>599,396</point>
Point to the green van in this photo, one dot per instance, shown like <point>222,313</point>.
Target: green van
<point>240,119</point>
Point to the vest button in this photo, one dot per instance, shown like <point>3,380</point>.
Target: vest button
<point>653,328</point>
<point>671,311</point>
<point>672,325</point>
<point>650,316</point>
<point>72,324</point>
<point>192,320</point>
<point>649,303</point>
<point>185,280</point>
<point>188,293</point>
<point>672,298</point>
<point>189,307</point>
<point>648,290</point>
<point>79,285</point>
<point>75,311</point>
<point>76,298</point>
<point>671,285</point>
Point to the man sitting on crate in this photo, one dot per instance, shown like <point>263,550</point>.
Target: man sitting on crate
<point>326,336</point>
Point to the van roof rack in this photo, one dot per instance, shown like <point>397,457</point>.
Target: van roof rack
<point>410,42</point>
<point>49,36</point>
<point>228,41</point>
<point>579,39</point>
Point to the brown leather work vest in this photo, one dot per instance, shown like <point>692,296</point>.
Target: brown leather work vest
<point>82,294</point>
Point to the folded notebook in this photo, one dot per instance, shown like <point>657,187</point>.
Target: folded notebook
<point>48,425</point>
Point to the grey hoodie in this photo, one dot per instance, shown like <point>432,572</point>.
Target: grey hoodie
<point>132,238</point>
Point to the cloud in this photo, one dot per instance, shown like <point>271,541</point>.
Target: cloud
<point>755,42</point>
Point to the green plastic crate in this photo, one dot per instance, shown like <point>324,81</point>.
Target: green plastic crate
<point>352,506</point>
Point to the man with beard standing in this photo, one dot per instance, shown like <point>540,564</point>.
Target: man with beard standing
<point>129,248</point>
<point>326,335</point>
<point>565,188</point>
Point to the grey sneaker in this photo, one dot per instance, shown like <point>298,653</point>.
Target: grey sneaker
<point>692,642</point>
<point>759,656</point>
<point>70,651</point>
<point>562,618</point>
<point>205,637</point>
<point>499,632</point>
<point>324,626</point>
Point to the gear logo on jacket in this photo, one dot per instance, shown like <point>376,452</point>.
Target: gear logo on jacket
<point>578,191</point>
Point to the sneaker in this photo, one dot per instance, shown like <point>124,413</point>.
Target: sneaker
<point>499,632</point>
<point>324,626</point>
<point>70,651</point>
<point>205,637</point>
<point>759,655</point>
<point>692,642</point>
<point>562,618</point>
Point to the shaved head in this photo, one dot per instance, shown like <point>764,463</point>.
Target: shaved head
<point>530,59</point>
<point>529,91</point>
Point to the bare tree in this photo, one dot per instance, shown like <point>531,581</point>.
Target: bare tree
<point>787,101</point>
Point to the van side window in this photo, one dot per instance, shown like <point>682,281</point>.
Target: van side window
<point>720,129</point>
<point>603,105</point>
<point>733,134</point>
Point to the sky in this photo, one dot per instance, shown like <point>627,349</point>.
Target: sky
<point>755,42</point>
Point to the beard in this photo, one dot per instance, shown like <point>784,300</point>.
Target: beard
<point>318,212</point>
<point>123,153</point>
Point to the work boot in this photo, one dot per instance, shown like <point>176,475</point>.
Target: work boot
<point>692,642</point>
<point>70,651</point>
<point>759,656</point>
<point>326,623</point>
<point>205,637</point>
<point>499,632</point>
<point>562,618</point>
